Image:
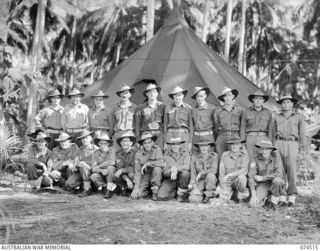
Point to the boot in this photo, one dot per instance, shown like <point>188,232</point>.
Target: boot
<point>180,198</point>
<point>282,204</point>
<point>85,193</point>
<point>108,194</point>
<point>205,199</point>
<point>291,204</point>
<point>154,197</point>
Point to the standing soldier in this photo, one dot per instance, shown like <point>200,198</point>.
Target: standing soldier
<point>99,114</point>
<point>81,172</point>
<point>49,118</point>
<point>227,119</point>
<point>266,175</point>
<point>74,117</point>
<point>150,115</point>
<point>176,172</point>
<point>122,117</point>
<point>256,122</point>
<point>148,166</point>
<point>233,170</point>
<point>178,118</point>
<point>204,167</point>
<point>203,115</point>
<point>290,139</point>
<point>64,158</point>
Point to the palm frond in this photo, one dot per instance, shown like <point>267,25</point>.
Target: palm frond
<point>8,142</point>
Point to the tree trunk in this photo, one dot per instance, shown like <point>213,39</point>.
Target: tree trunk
<point>72,49</point>
<point>205,21</point>
<point>227,41</point>
<point>150,19</point>
<point>241,57</point>
<point>170,4</point>
<point>35,63</point>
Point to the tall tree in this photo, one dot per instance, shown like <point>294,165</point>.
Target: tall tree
<point>228,34</point>
<point>150,19</point>
<point>241,57</point>
<point>205,20</point>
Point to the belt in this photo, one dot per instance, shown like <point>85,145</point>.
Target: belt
<point>96,128</point>
<point>226,132</point>
<point>290,138</point>
<point>75,129</point>
<point>49,130</point>
<point>256,134</point>
<point>158,131</point>
<point>178,130</point>
<point>203,133</point>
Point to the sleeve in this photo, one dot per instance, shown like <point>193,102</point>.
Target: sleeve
<point>242,166</point>
<point>186,163</point>
<point>243,125</point>
<point>213,164</point>
<point>165,119</point>
<point>138,121</point>
<point>167,167</point>
<point>129,167</point>
<point>111,158</point>
<point>112,123</point>
<point>278,166</point>
<point>64,118</point>
<point>302,134</point>
<point>156,160</point>
<point>222,169</point>
<point>86,115</point>
<point>270,126</point>
<point>193,172</point>
<point>190,125</point>
<point>38,119</point>
<point>137,170</point>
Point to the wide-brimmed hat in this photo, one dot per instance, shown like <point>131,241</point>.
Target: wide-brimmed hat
<point>258,93</point>
<point>236,140</point>
<point>103,136</point>
<point>197,89</point>
<point>125,88</point>
<point>41,136</point>
<point>284,97</point>
<point>175,140</point>
<point>151,86</point>
<point>265,144</point>
<point>176,90</point>
<point>147,135</point>
<point>63,136</point>
<point>75,92</point>
<point>99,94</point>
<point>54,93</point>
<point>84,133</point>
<point>34,134</point>
<point>226,90</point>
<point>203,142</point>
<point>129,135</point>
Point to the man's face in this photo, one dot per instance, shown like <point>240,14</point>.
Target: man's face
<point>98,101</point>
<point>65,144</point>
<point>258,101</point>
<point>266,152</point>
<point>178,97</point>
<point>104,145</point>
<point>236,147</point>
<point>152,94</point>
<point>41,143</point>
<point>201,97</point>
<point>228,98</point>
<point>287,104</point>
<point>126,143</point>
<point>204,149</point>
<point>147,144</point>
<point>125,95</point>
<point>86,140</point>
<point>56,100</point>
<point>175,147</point>
<point>76,99</point>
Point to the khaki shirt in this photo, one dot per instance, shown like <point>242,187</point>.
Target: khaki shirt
<point>180,160</point>
<point>106,158</point>
<point>74,117</point>
<point>43,156</point>
<point>99,118</point>
<point>199,164</point>
<point>60,155</point>
<point>228,121</point>
<point>256,121</point>
<point>49,117</point>
<point>86,154</point>
<point>125,160</point>
<point>155,158</point>
<point>203,117</point>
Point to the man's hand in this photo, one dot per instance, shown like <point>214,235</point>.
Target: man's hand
<point>259,178</point>
<point>135,193</point>
<point>254,200</point>
<point>190,187</point>
<point>74,169</point>
<point>96,169</point>
<point>199,177</point>
<point>118,173</point>
<point>144,168</point>
<point>228,177</point>
<point>174,172</point>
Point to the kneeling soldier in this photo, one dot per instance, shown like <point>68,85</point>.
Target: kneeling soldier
<point>233,170</point>
<point>266,175</point>
<point>176,172</point>
<point>64,158</point>
<point>82,171</point>
<point>204,167</point>
<point>148,166</point>
<point>103,165</point>
<point>125,162</point>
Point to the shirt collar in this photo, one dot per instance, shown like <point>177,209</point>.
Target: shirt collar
<point>101,108</point>
<point>252,108</point>
<point>76,106</point>
<point>236,155</point>
<point>205,106</point>
<point>124,105</point>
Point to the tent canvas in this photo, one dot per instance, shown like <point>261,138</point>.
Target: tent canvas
<point>175,56</point>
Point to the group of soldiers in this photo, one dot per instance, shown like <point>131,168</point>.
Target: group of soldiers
<point>169,151</point>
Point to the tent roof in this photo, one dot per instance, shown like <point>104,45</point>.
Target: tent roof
<point>175,56</point>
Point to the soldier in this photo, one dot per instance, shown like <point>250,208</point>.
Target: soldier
<point>150,115</point>
<point>49,118</point>
<point>38,162</point>
<point>64,158</point>
<point>290,139</point>
<point>74,117</point>
<point>233,170</point>
<point>227,119</point>
<point>122,116</point>
<point>178,118</point>
<point>148,166</point>
<point>103,165</point>
<point>256,122</point>
<point>266,175</point>
<point>204,167</point>
<point>81,172</point>
<point>125,162</point>
<point>176,172</point>
<point>203,115</point>
<point>98,115</point>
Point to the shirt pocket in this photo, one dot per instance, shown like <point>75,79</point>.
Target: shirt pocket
<point>184,115</point>
<point>264,122</point>
<point>281,126</point>
<point>250,120</point>
<point>236,117</point>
